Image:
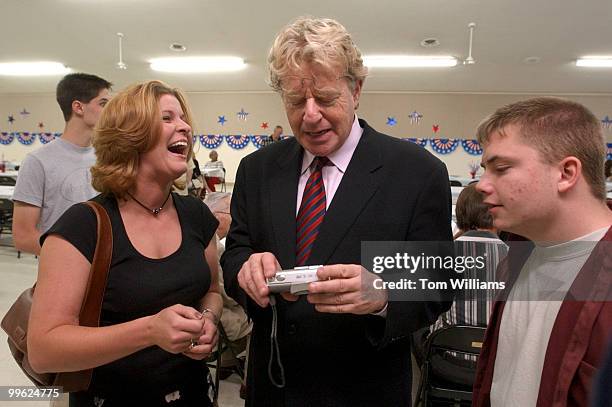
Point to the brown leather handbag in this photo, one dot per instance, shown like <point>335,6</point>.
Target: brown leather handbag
<point>15,322</point>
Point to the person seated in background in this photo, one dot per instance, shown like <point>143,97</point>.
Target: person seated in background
<point>162,304</point>
<point>544,181</point>
<point>476,237</point>
<point>274,137</point>
<point>214,171</point>
<point>234,320</point>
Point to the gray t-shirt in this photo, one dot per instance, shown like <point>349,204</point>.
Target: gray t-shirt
<point>54,177</point>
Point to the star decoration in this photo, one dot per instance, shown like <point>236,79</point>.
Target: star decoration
<point>391,121</point>
<point>264,125</point>
<point>11,119</point>
<point>435,128</point>
<point>221,120</point>
<point>41,125</point>
<point>606,122</point>
<point>242,115</point>
<point>415,117</point>
<point>24,112</point>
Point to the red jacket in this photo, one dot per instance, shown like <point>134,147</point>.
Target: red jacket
<point>578,339</point>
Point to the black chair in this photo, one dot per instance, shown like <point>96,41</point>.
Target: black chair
<point>223,187</point>
<point>7,181</point>
<point>447,374</point>
<point>455,183</point>
<point>214,361</point>
<point>6,215</point>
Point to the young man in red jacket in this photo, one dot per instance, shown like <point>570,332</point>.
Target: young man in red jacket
<point>544,182</point>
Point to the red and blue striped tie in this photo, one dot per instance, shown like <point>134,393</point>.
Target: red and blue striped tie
<point>311,213</point>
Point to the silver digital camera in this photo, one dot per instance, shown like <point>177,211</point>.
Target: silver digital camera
<point>294,281</point>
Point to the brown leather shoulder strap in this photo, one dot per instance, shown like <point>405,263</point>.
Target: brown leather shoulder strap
<point>92,303</point>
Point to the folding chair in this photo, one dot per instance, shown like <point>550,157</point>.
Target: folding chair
<point>214,361</point>
<point>6,215</point>
<point>447,374</point>
<point>222,182</point>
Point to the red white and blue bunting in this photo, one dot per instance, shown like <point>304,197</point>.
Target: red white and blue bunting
<point>420,141</point>
<point>6,137</point>
<point>211,141</point>
<point>472,147</point>
<point>443,145</point>
<point>47,137</point>
<point>258,141</point>
<point>26,138</point>
<point>237,142</point>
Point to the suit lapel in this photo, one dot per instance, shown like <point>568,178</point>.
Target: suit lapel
<point>361,179</point>
<point>283,197</point>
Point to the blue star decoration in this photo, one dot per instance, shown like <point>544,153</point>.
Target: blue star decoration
<point>11,119</point>
<point>242,115</point>
<point>24,112</point>
<point>391,121</point>
<point>221,120</point>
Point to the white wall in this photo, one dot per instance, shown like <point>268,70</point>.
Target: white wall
<point>456,114</point>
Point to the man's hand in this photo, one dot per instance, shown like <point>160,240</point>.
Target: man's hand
<point>254,273</point>
<point>346,288</point>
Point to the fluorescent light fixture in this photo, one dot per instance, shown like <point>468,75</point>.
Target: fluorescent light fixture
<point>197,64</point>
<point>595,62</point>
<point>41,68</point>
<point>408,61</point>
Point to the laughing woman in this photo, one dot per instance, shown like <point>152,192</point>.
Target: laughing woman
<point>162,300</point>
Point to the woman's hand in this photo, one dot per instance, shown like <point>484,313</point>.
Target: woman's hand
<point>175,328</point>
<point>205,344</point>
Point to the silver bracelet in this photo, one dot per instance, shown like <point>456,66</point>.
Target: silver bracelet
<point>215,318</point>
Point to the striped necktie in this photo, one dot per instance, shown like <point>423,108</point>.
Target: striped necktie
<point>312,210</point>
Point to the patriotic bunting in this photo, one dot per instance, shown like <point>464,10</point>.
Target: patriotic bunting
<point>443,145</point>
<point>472,147</point>
<point>258,141</point>
<point>26,138</point>
<point>6,138</point>
<point>211,141</point>
<point>237,142</point>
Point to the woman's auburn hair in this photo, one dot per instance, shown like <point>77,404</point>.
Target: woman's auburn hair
<point>130,124</point>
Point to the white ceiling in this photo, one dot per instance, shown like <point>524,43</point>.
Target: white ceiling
<point>82,35</point>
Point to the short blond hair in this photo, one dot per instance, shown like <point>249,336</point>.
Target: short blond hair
<point>321,41</point>
<point>130,125</point>
<point>557,128</point>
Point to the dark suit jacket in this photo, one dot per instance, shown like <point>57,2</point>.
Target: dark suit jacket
<point>391,190</point>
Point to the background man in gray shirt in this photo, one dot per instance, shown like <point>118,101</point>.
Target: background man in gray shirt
<point>56,176</point>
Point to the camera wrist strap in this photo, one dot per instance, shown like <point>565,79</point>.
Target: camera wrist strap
<point>274,346</point>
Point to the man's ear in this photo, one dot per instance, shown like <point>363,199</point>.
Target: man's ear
<point>357,93</point>
<point>570,171</point>
<point>77,108</point>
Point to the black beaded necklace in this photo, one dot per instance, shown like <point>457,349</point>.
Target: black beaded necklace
<point>154,211</point>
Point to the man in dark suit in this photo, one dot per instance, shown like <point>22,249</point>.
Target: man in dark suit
<point>312,200</point>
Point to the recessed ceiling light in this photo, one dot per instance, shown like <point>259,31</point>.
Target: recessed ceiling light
<point>175,46</point>
<point>408,61</point>
<point>41,68</point>
<point>595,62</point>
<point>197,64</point>
<point>430,42</point>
